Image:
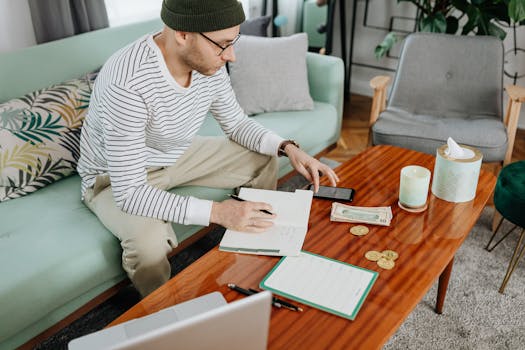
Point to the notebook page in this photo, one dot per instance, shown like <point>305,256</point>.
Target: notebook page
<point>291,208</point>
<point>287,235</point>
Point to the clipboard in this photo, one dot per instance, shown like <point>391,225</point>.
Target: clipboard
<point>320,282</point>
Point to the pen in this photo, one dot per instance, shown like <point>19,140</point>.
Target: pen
<point>283,303</point>
<point>250,292</point>
<point>237,198</point>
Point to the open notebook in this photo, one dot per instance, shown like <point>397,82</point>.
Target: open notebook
<point>287,235</point>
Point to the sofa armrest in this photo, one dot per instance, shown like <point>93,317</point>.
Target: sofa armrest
<point>326,75</point>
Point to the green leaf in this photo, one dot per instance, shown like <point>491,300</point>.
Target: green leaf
<point>452,25</point>
<point>435,23</point>
<point>387,43</point>
<point>11,118</point>
<point>496,31</point>
<point>473,20</point>
<point>517,10</point>
<point>461,5</point>
<point>34,129</point>
<point>477,2</point>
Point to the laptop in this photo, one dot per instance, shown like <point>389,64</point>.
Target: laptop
<point>206,322</point>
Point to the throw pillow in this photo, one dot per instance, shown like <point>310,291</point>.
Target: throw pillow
<point>40,136</point>
<point>256,26</point>
<point>270,74</point>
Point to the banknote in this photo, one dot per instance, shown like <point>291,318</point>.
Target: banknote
<point>368,215</point>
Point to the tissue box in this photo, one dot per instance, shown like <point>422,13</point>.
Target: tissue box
<point>456,180</point>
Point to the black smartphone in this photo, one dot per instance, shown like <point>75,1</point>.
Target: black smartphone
<point>334,193</point>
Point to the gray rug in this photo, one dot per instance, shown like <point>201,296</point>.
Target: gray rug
<point>475,315</point>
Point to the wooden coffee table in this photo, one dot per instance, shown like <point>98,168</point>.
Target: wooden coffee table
<point>426,244</point>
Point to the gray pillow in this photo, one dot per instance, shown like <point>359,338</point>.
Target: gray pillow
<point>256,26</point>
<point>270,74</point>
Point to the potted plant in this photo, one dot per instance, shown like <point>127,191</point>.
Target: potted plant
<point>479,17</point>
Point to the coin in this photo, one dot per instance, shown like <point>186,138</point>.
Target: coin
<point>359,230</point>
<point>385,263</point>
<point>373,255</point>
<point>390,254</point>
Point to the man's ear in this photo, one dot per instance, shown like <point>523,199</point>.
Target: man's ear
<point>181,37</point>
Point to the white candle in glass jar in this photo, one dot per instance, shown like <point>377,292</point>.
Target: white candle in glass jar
<point>413,186</point>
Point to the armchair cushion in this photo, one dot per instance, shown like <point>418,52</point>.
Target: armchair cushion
<point>426,132</point>
<point>270,75</point>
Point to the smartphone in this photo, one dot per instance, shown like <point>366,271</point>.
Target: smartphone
<point>334,193</point>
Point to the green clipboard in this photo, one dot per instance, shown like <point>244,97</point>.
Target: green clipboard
<point>344,269</point>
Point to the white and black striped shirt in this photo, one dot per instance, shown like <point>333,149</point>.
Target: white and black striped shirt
<point>139,117</point>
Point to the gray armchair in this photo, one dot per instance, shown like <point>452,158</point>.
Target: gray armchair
<point>447,85</point>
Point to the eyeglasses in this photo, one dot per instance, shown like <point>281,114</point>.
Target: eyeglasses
<point>223,48</point>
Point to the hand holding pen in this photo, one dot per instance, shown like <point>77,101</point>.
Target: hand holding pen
<point>242,215</point>
<point>237,198</point>
<point>275,301</point>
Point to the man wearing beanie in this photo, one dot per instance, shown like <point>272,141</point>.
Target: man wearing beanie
<point>139,139</point>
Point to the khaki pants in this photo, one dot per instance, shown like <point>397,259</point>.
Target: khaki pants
<point>209,161</point>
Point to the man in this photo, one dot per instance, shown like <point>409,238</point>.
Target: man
<point>139,139</point>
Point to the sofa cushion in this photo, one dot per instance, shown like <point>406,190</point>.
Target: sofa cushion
<point>53,257</point>
<point>270,75</point>
<point>257,26</point>
<point>313,129</point>
<point>39,136</point>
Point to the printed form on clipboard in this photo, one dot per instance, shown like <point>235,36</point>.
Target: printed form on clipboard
<point>286,236</point>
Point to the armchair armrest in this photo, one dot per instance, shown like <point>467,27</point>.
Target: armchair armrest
<point>516,92</point>
<point>516,97</point>
<point>379,84</point>
<point>326,76</point>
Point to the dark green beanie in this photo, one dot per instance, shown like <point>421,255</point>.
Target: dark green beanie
<point>201,15</point>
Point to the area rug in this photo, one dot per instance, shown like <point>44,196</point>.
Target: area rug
<point>475,315</point>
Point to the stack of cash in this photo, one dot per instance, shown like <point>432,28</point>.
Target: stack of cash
<point>365,215</point>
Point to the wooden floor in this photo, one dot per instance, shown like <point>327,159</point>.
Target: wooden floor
<point>355,131</point>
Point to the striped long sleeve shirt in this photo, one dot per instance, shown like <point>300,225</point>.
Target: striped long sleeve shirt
<point>140,117</point>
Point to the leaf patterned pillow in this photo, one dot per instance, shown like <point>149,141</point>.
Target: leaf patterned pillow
<point>40,136</point>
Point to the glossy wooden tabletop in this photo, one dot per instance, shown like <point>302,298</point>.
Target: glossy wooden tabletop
<point>426,243</point>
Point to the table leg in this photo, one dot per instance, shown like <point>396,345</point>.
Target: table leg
<point>442,287</point>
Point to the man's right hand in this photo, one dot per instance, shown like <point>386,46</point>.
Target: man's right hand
<point>242,216</point>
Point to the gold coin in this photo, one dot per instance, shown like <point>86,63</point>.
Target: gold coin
<point>390,254</point>
<point>373,255</point>
<point>359,230</point>
<point>385,263</point>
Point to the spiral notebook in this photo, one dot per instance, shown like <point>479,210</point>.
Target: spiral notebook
<point>326,284</point>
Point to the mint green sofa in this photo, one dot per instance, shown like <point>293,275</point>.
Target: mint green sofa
<point>55,256</point>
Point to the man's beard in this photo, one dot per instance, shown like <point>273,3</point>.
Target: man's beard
<point>197,64</point>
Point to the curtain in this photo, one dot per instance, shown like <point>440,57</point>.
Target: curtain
<point>57,19</point>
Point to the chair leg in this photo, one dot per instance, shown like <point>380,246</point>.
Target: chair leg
<point>496,220</point>
<point>513,261</point>
<point>501,239</point>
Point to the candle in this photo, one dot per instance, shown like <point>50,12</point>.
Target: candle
<point>413,186</point>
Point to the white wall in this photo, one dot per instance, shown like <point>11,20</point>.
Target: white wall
<point>122,12</point>
<point>16,29</point>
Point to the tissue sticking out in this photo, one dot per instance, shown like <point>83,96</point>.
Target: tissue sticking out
<point>455,151</point>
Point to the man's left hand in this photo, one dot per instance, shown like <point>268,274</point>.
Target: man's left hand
<point>309,167</point>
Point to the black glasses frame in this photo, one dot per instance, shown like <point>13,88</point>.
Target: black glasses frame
<point>223,48</point>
